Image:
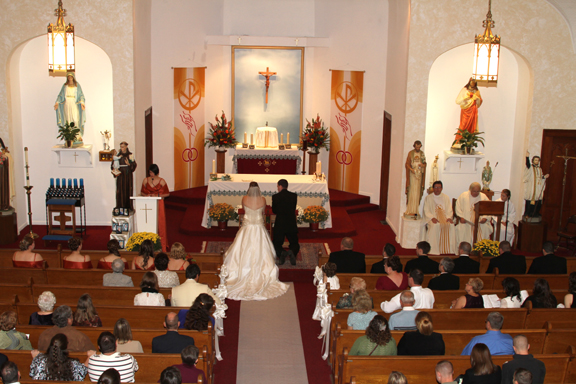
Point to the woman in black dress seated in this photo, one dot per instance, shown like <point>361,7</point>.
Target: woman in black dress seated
<point>424,341</point>
<point>46,302</point>
<point>472,298</point>
<point>541,296</point>
<point>483,370</point>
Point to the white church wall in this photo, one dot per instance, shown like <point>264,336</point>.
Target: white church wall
<point>38,93</point>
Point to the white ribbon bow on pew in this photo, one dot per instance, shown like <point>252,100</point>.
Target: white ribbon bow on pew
<point>326,315</point>
<point>220,313</point>
<point>321,293</point>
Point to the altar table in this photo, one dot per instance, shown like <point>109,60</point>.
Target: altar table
<point>267,161</point>
<point>231,192</point>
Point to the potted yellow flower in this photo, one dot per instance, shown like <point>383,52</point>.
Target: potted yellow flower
<point>136,239</point>
<point>222,212</point>
<point>488,248</point>
<point>314,214</point>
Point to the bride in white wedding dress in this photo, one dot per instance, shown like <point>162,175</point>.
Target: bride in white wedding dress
<point>251,259</point>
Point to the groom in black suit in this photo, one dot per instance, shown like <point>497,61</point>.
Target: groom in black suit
<point>284,207</point>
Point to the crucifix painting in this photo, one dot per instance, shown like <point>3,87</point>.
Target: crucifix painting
<point>267,75</point>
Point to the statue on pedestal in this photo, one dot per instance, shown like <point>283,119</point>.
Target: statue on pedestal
<point>415,171</point>
<point>486,176</point>
<point>433,174</point>
<point>70,106</point>
<point>534,185</point>
<point>469,100</point>
<point>7,190</point>
<point>124,176</point>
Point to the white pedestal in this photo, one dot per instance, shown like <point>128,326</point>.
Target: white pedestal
<point>79,156</point>
<point>457,163</point>
<point>146,212</point>
<point>410,232</point>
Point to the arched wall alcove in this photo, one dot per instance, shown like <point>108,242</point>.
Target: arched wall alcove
<point>32,97</point>
<point>503,117</point>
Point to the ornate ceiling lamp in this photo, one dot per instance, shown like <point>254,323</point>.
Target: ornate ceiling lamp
<point>486,53</point>
<point>60,45</point>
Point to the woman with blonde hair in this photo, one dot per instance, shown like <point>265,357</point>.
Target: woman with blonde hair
<point>423,341</point>
<point>377,341</point>
<point>483,370</point>
<point>177,258</point>
<point>397,378</point>
<point>150,295</point>
<point>46,302</point>
<point>356,284</point>
<point>25,257</point>
<point>363,313</point>
<point>75,260</point>
<point>86,315</point>
<point>472,298</point>
<point>124,341</point>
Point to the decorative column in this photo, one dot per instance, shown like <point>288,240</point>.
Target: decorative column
<point>220,160</point>
<point>313,158</point>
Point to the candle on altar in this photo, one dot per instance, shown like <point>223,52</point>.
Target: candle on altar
<point>288,138</point>
<point>281,138</point>
<point>245,137</point>
<point>318,167</point>
<point>213,166</point>
<point>251,138</point>
<point>27,177</point>
<point>51,182</point>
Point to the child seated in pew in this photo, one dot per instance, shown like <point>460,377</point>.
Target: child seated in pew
<point>188,369</point>
<point>329,270</point>
<point>378,340</point>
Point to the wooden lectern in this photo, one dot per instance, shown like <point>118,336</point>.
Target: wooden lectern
<point>146,212</point>
<point>488,208</point>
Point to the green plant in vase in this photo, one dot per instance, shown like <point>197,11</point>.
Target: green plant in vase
<point>468,140</point>
<point>68,133</point>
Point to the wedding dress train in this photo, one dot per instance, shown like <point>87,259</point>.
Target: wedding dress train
<point>250,260</point>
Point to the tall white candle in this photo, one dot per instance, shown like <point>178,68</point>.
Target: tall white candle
<point>318,167</point>
<point>26,156</point>
<point>281,138</point>
<point>251,138</point>
<point>245,137</point>
<point>288,138</point>
<point>213,166</point>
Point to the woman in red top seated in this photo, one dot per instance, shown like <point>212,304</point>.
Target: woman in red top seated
<point>25,258</point>
<point>177,258</point>
<point>75,260</point>
<point>396,280</point>
<point>145,260</point>
<point>106,262</point>
<point>154,185</point>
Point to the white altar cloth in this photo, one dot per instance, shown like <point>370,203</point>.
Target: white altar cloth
<point>267,153</point>
<point>231,192</point>
<point>266,137</point>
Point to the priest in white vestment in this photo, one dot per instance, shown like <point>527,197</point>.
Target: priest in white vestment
<point>438,216</point>
<point>508,218</point>
<point>465,210</point>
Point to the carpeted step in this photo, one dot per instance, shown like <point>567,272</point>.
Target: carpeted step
<point>362,208</point>
<point>189,196</point>
<point>191,225</point>
<point>342,226</point>
<point>170,204</point>
<point>346,199</point>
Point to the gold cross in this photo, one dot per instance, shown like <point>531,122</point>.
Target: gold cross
<point>267,75</point>
<point>146,209</point>
<point>460,161</point>
<point>75,156</point>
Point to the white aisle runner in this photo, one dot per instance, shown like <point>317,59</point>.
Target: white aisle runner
<point>269,342</point>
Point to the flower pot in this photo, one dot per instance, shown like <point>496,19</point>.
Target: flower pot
<point>314,227</point>
<point>467,150</point>
<point>69,143</point>
<point>222,225</point>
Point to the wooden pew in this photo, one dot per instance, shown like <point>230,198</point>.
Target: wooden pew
<point>420,369</point>
<point>558,339</point>
<point>527,282</point>
<point>18,275</point>
<point>23,291</point>
<point>537,318</point>
<point>372,278</point>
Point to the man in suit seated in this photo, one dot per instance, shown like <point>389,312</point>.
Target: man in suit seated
<point>507,263</point>
<point>463,263</point>
<point>347,260</point>
<point>172,341</point>
<point>549,263</point>
<point>185,294</point>
<point>388,251</point>
<point>423,262</point>
<point>446,280</point>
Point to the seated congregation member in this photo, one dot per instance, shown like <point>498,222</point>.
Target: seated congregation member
<point>406,318</point>
<point>55,364</point>
<point>46,302</point>
<point>465,211</point>
<point>569,301</point>
<point>86,315</point>
<point>329,270</point>
<point>170,375</point>
<point>513,297</point>
<point>116,278</point>
<point>10,338</point>
<point>424,297</point>
<point>108,357</point>
<point>446,280</point>
<point>75,260</point>
<point>10,373</point>
<point>463,263</point>
<point>388,251</point>
<point>106,262</point>
<point>507,263</point>
<point>185,294</point>
<point>172,341</point>
<point>188,368</point>
<point>150,295</point>
<point>198,316</point>
<point>445,372</point>
<point>178,258</point>
<point>378,340</point>
<point>507,219</point>
<point>423,341</point>
<point>549,263</point>
<point>498,342</point>
<point>422,262</point>
<point>396,377</point>
<point>26,257</point>
<point>145,259</point>
<point>124,341</point>
<point>395,279</point>
<point>472,298</point>
<point>363,313</point>
<point>523,359</point>
<point>110,376</point>
<point>166,279</point>
<point>522,376</point>
<point>438,216</point>
<point>347,260</point>
<point>542,296</point>
<point>483,370</point>
<point>62,318</point>
<point>356,284</point>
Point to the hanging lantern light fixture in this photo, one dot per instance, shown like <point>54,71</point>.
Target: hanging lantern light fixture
<point>60,45</point>
<point>486,53</point>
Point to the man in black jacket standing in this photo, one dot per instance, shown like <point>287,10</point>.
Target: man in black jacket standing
<point>507,263</point>
<point>284,207</point>
<point>549,263</point>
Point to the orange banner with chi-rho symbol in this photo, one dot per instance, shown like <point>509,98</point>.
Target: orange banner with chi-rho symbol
<point>345,130</point>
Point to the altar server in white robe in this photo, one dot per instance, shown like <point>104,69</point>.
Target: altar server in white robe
<point>465,210</point>
<point>509,217</point>
<point>438,215</point>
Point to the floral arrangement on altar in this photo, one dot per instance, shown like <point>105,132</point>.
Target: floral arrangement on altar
<point>221,134</point>
<point>489,248</point>
<point>314,214</point>
<point>315,136</point>
<point>222,212</point>
<point>136,239</point>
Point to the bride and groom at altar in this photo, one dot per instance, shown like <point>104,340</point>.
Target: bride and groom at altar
<point>251,259</point>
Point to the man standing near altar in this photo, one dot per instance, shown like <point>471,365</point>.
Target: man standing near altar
<point>465,211</point>
<point>284,207</point>
<point>438,215</point>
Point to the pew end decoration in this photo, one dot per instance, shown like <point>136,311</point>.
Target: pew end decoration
<point>323,311</point>
<point>136,239</point>
<point>220,313</point>
<point>488,248</point>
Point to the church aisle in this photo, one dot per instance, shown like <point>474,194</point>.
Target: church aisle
<point>269,343</point>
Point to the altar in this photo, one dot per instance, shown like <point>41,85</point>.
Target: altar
<point>309,192</point>
<point>267,161</point>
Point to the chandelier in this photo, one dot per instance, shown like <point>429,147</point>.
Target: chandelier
<point>486,53</point>
<point>60,45</point>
